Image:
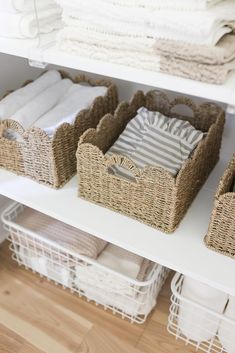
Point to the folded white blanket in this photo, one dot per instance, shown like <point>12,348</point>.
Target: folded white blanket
<point>15,100</point>
<point>14,6</point>
<point>77,98</point>
<point>201,27</point>
<point>152,139</point>
<point>28,25</point>
<point>41,104</point>
<point>167,4</point>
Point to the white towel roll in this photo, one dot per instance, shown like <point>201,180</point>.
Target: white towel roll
<point>77,98</point>
<point>28,25</point>
<point>14,6</point>
<point>15,100</point>
<point>195,323</point>
<point>227,330</point>
<point>41,104</point>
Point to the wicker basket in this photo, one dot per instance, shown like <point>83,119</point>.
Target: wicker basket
<point>52,160</point>
<point>156,197</point>
<point>221,233</point>
<point>132,300</point>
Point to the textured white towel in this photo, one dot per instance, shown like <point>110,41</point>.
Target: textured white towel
<point>152,139</point>
<point>15,100</point>
<point>39,105</point>
<point>28,25</point>
<point>77,98</point>
<point>14,6</point>
<point>201,27</point>
<point>167,4</point>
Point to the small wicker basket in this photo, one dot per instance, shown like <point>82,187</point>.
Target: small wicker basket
<point>52,160</point>
<point>155,197</point>
<point>221,233</point>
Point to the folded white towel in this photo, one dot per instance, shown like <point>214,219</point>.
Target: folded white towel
<point>201,27</point>
<point>14,6</point>
<point>15,100</point>
<point>77,98</point>
<point>227,329</point>
<point>166,4</point>
<point>41,104</point>
<point>195,323</point>
<point>28,25</point>
<point>152,139</point>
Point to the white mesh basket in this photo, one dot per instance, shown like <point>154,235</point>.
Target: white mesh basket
<point>218,328</point>
<point>130,298</point>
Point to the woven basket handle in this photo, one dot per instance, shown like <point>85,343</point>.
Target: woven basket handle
<point>124,162</point>
<point>184,101</point>
<point>9,124</point>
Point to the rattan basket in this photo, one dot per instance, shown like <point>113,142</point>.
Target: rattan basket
<point>155,197</point>
<point>52,160</point>
<point>221,233</point>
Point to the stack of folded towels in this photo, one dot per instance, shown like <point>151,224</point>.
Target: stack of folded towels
<point>48,102</point>
<point>95,281</point>
<point>27,19</point>
<point>153,139</point>
<point>190,38</point>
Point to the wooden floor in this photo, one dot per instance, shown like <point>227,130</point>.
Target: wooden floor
<point>36,316</point>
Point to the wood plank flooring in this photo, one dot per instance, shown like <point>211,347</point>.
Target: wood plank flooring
<point>36,316</point>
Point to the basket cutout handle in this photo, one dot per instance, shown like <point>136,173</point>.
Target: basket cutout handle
<point>124,162</point>
<point>186,102</point>
<point>9,124</point>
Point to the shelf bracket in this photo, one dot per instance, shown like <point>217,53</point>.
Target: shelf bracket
<point>35,58</point>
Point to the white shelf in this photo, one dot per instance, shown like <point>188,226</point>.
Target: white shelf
<point>182,251</point>
<point>221,93</point>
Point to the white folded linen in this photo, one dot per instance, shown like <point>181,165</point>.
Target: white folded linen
<point>15,100</point>
<point>201,27</point>
<point>166,4</point>
<point>28,25</point>
<point>152,139</point>
<point>227,329</point>
<point>45,267</point>
<point>77,98</point>
<point>14,6</point>
<point>41,104</point>
<point>196,323</point>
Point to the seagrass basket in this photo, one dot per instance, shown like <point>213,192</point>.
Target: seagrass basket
<point>155,197</point>
<point>51,160</point>
<point>221,233</point>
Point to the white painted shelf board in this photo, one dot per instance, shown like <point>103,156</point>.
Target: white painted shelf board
<point>221,93</point>
<point>182,251</point>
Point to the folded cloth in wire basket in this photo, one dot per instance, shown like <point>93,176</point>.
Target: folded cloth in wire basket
<point>109,289</point>
<point>60,233</point>
<point>152,139</point>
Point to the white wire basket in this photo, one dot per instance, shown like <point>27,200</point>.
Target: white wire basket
<point>131,299</point>
<point>217,329</point>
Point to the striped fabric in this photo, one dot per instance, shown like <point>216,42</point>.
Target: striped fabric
<point>152,139</point>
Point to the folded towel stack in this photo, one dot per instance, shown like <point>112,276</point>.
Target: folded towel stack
<point>28,19</point>
<point>154,35</point>
<point>152,139</point>
<point>48,102</point>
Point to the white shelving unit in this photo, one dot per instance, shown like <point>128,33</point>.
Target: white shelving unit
<point>183,250</point>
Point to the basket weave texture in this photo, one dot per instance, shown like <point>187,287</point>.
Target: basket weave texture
<point>52,160</point>
<point>221,233</point>
<point>155,197</point>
